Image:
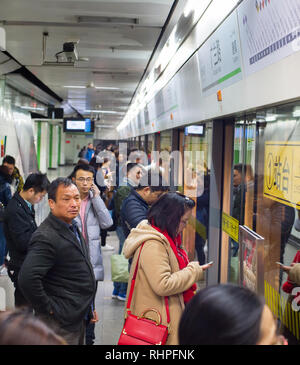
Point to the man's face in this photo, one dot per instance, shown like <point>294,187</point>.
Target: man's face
<point>84,181</point>
<point>35,198</point>
<point>10,167</point>
<point>237,178</point>
<point>91,146</point>
<point>135,174</point>
<point>67,205</point>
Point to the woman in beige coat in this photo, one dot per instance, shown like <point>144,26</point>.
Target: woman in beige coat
<point>164,269</point>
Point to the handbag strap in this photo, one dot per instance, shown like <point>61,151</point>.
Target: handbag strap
<point>132,288</point>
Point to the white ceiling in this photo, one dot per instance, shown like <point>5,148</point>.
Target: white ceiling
<point>118,54</point>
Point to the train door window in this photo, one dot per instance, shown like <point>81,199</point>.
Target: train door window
<point>265,196</point>
<point>196,179</point>
<point>277,208</point>
<point>242,187</point>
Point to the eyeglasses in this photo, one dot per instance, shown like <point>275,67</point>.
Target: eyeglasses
<point>82,179</point>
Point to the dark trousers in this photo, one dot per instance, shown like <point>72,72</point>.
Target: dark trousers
<point>103,235</point>
<point>20,300</point>
<point>199,247</point>
<point>89,333</point>
<point>71,337</point>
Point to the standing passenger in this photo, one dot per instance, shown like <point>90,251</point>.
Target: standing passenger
<point>93,216</point>
<point>19,225</point>
<point>89,152</point>
<point>17,180</point>
<point>57,277</point>
<point>164,269</point>
<point>5,196</point>
<point>133,176</point>
<point>228,314</point>
<point>135,207</point>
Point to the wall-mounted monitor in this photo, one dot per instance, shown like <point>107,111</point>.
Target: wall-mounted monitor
<point>72,125</point>
<point>198,130</point>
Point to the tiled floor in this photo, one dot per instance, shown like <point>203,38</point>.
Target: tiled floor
<point>110,311</point>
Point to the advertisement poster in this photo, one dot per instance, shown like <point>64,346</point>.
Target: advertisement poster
<point>269,31</point>
<point>219,58</point>
<point>24,132</point>
<point>251,260</point>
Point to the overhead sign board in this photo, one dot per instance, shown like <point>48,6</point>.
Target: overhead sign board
<point>219,58</point>
<point>269,31</point>
<point>282,172</point>
<point>2,39</point>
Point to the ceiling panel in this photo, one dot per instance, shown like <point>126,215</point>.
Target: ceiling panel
<point>117,55</point>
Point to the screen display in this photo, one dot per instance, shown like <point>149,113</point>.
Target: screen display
<point>195,129</point>
<point>78,125</point>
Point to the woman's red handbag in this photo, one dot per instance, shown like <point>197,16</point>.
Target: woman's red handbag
<point>138,330</point>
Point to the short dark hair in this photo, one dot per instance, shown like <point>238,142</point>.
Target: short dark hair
<point>154,181</point>
<point>55,184</point>
<point>168,210</point>
<point>83,167</point>
<point>238,167</point>
<point>223,314</point>
<point>130,166</point>
<point>9,159</point>
<point>38,181</point>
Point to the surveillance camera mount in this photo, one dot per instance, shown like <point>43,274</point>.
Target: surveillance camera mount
<point>69,51</point>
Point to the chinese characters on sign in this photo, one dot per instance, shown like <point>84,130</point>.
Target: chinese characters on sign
<point>219,58</point>
<point>230,225</point>
<point>282,172</point>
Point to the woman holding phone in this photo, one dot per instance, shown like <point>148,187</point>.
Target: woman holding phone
<point>164,269</point>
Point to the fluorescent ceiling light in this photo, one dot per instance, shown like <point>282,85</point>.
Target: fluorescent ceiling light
<point>103,111</point>
<point>106,88</point>
<point>31,108</point>
<point>271,118</point>
<point>75,87</point>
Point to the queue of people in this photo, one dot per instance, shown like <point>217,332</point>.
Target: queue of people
<point>55,268</point>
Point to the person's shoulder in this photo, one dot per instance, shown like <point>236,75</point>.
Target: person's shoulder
<point>45,232</point>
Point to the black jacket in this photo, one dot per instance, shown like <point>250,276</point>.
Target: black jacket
<point>19,225</point>
<point>5,181</point>
<point>134,210</point>
<point>57,275</point>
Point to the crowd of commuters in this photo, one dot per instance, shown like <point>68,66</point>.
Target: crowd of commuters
<point>55,268</point>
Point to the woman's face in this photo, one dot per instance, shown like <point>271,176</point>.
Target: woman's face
<point>183,221</point>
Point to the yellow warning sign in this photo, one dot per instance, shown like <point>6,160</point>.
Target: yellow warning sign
<point>230,225</point>
<point>282,172</point>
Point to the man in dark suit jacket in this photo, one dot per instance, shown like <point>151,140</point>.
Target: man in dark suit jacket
<point>57,277</point>
<point>135,207</point>
<point>19,225</point>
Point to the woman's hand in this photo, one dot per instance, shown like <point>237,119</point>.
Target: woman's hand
<point>206,266</point>
<point>286,268</point>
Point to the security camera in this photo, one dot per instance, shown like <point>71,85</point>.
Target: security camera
<point>70,51</point>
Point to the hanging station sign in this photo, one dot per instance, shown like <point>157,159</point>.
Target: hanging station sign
<point>269,31</point>
<point>219,58</point>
